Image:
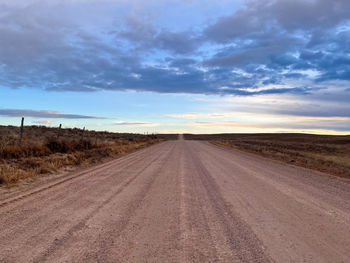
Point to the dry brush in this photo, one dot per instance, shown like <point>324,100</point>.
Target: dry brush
<point>43,152</point>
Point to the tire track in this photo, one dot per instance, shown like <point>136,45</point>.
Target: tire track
<point>242,241</point>
<point>100,168</point>
<point>79,226</point>
<point>185,231</point>
<point>107,243</point>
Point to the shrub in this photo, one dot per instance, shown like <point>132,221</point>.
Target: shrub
<point>42,152</point>
<point>57,146</point>
<point>65,146</point>
<point>16,151</point>
<point>82,145</point>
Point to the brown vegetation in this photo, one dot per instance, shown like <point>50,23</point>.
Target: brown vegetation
<point>325,153</point>
<point>44,150</point>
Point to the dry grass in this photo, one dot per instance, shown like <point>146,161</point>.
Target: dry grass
<point>43,152</point>
<point>330,154</point>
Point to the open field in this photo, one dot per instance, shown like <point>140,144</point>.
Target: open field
<point>45,150</point>
<point>330,154</point>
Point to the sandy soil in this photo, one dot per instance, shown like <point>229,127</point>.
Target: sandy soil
<point>180,201</point>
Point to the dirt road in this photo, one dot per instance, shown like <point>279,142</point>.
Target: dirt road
<point>180,201</point>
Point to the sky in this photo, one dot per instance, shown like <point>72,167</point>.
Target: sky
<point>177,66</point>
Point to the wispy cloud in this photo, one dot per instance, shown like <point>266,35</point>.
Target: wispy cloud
<point>278,122</point>
<point>45,122</point>
<point>136,123</point>
<point>198,115</point>
<point>43,114</point>
<point>204,124</point>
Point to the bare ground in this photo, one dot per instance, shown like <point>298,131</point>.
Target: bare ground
<point>180,201</point>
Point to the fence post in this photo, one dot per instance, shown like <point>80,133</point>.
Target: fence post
<point>21,132</point>
<point>82,134</point>
<point>59,131</point>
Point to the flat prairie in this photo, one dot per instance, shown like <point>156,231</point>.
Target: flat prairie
<point>325,153</point>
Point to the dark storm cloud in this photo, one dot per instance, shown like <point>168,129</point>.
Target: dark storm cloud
<point>42,114</point>
<point>263,43</point>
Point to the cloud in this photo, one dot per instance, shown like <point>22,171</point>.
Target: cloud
<point>261,17</point>
<point>174,131</point>
<point>230,124</point>
<point>43,114</point>
<point>198,115</point>
<point>127,123</point>
<point>284,38</point>
<point>275,122</point>
<point>54,46</point>
<point>325,102</point>
<point>45,122</point>
<point>143,35</point>
<point>288,58</point>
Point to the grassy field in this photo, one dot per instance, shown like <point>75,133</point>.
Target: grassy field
<point>330,154</point>
<point>45,150</point>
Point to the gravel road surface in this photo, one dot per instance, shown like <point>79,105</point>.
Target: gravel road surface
<point>180,201</point>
